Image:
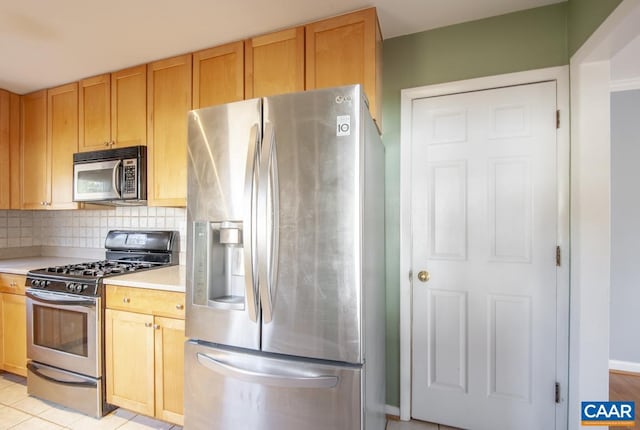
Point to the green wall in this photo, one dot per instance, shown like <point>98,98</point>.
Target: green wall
<point>584,17</point>
<point>526,40</point>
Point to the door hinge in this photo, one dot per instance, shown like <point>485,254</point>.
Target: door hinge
<point>557,392</point>
<point>558,256</point>
<point>410,275</point>
<point>557,119</point>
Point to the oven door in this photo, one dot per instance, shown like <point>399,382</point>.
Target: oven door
<point>97,181</point>
<point>63,330</point>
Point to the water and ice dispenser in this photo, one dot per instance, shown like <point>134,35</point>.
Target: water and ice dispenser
<point>218,259</point>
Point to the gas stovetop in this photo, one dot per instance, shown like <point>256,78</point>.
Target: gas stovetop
<point>99,268</point>
<point>127,252</point>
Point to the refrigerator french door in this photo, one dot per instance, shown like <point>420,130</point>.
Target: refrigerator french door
<point>285,280</point>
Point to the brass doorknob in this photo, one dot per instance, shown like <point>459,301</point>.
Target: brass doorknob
<point>423,276</point>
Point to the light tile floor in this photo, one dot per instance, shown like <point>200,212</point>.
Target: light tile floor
<point>19,411</point>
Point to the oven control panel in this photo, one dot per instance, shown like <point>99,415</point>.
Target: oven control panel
<point>64,286</point>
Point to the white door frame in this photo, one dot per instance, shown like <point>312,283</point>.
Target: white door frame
<point>591,205</point>
<point>561,76</point>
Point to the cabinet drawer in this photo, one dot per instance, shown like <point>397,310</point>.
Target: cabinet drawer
<point>146,301</point>
<point>13,284</point>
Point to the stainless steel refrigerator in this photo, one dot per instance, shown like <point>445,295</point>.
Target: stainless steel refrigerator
<point>285,265</point>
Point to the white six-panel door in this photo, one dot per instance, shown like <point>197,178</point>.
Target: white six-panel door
<point>484,234</point>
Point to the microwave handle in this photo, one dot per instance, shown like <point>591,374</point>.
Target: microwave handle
<point>115,180</point>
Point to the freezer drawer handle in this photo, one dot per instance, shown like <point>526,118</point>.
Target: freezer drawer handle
<point>286,381</point>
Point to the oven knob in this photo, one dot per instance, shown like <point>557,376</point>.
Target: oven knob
<point>70,286</point>
<point>78,288</point>
<point>34,282</point>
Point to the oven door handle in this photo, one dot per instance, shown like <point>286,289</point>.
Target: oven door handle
<point>35,370</point>
<point>50,299</point>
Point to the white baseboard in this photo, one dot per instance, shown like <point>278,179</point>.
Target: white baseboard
<point>392,410</point>
<point>626,366</point>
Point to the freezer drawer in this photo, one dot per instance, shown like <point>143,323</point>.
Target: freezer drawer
<point>228,389</point>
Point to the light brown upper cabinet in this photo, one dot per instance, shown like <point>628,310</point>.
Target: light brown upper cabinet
<point>274,63</point>
<point>129,107</point>
<point>9,150</point>
<point>345,50</point>
<point>218,75</point>
<point>62,135</point>
<point>168,101</point>
<point>34,151</point>
<point>49,137</point>
<point>113,110</point>
<point>95,113</point>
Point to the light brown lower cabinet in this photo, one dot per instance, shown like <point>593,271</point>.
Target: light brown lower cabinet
<point>13,324</point>
<point>144,359</point>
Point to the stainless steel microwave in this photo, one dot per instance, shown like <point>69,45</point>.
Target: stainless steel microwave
<point>111,176</point>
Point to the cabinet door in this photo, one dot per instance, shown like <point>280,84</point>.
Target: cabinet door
<point>168,101</point>
<point>274,63</point>
<point>346,50</point>
<point>34,151</point>
<point>95,113</point>
<point>13,320</point>
<point>62,133</point>
<point>129,106</point>
<point>5,150</point>
<point>129,349</point>
<point>169,343</point>
<point>218,75</point>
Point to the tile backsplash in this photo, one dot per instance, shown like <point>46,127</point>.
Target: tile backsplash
<point>85,228</point>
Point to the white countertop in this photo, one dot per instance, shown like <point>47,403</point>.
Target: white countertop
<point>170,278</point>
<point>20,266</point>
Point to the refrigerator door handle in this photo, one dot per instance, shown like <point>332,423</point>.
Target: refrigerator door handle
<point>249,227</point>
<point>268,215</point>
<point>275,379</point>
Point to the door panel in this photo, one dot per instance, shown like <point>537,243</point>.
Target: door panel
<point>226,390</point>
<point>218,302</point>
<point>316,294</point>
<point>484,211</point>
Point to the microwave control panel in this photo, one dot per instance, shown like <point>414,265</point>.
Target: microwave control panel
<point>129,179</point>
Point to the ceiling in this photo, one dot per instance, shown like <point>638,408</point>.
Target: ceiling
<point>49,43</point>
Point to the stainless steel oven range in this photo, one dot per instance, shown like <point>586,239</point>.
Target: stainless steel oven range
<point>65,318</point>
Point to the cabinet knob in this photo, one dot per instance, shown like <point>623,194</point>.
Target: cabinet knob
<point>126,300</point>
<point>179,307</point>
<point>148,324</point>
<point>13,284</point>
<point>156,326</point>
<point>106,144</point>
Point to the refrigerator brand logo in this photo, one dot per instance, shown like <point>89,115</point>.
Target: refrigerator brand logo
<point>343,99</point>
<point>621,414</point>
<point>344,125</point>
